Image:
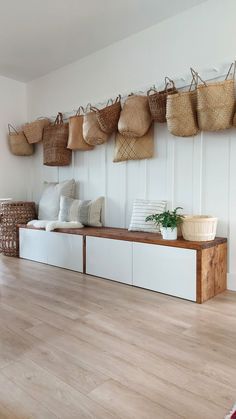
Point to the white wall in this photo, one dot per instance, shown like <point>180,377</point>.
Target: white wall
<point>14,171</point>
<point>198,173</point>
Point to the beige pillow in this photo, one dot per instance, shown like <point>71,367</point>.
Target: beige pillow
<point>127,148</point>
<point>87,213</point>
<point>49,203</point>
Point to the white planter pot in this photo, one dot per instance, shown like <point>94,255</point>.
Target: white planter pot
<point>168,233</point>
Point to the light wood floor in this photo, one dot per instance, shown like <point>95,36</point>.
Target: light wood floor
<point>74,347</point>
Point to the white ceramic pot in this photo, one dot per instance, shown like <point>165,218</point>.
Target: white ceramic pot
<point>168,233</point>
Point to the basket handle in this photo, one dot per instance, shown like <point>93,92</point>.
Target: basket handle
<point>232,65</point>
<point>59,119</point>
<point>11,127</point>
<point>152,89</point>
<point>79,110</point>
<point>169,83</point>
<point>118,99</point>
<point>196,78</point>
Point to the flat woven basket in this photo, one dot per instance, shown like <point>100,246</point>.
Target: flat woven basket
<point>76,139</point>
<point>181,113</point>
<point>34,130</point>
<point>199,227</point>
<point>216,105</point>
<point>135,117</point>
<point>157,101</point>
<point>18,143</point>
<point>129,148</point>
<point>108,117</point>
<point>92,133</point>
<point>55,139</point>
<point>12,214</point>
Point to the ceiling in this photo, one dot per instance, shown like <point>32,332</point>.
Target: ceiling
<point>39,36</point>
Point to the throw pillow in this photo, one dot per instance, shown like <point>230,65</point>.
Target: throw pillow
<point>52,225</point>
<point>86,212</point>
<point>49,203</point>
<point>141,209</point>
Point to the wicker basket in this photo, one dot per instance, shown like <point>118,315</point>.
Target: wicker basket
<point>34,130</point>
<point>92,133</point>
<point>18,143</point>
<point>12,214</point>
<point>135,117</point>
<point>55,139</point>
<point>76,139</point>
<point>199,227</point>
<point>181,112</point>
<point>108,117</point>
<point>157,100</point>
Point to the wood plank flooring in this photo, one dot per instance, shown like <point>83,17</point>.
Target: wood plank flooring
<point>78,347</point>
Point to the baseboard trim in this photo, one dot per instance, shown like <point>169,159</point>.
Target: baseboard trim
<point>231,282</point>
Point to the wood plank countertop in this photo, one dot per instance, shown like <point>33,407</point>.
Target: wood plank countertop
<point>142,237</point>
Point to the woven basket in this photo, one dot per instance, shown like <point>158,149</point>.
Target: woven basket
<point>181,112</point>
<point>157,100</point>
<point>76,139</point>
<point>135,118</point>
<point>216,105</point>
<point>199,227</point>
<point>34,130</point>
<point>55,138</point>
<point>18,143</point>
<point>12,214</point>
<point>92,133</point>
<point>134,148</point>
<point>108,117</point>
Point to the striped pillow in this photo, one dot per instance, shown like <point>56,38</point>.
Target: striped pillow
<point>141,209</point>
<point>87,213</point>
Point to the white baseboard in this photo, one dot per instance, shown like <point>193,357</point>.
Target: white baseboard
<point>231,282</point>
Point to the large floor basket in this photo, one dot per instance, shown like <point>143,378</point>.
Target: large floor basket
<point>12,214</point>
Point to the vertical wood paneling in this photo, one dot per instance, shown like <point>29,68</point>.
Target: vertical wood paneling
<point>156,167</point>
<point>183,174</point>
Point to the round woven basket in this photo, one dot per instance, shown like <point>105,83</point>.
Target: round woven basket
<point>199,227</point>
<point>157,100</point>
<point>108,117</point>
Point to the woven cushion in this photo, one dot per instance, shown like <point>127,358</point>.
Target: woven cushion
<point>141,209</point>
<point>128,148</point>
<point>49,203</point>
<point>86,212</point>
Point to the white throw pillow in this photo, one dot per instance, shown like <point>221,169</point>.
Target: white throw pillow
<point>49,203</point>
<point>86,212</point>
<point>37,223</point>
<point>141,209</point>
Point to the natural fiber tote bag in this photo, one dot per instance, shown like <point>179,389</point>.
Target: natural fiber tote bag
<point>108,117</point>
<point>34,130</point>
<point>55,138</point>
<point>181,112</point>
<point>216,104</point>
<point>135,118</point>
<point>76,139</point>
<point>92,133</point>
<point>18,143</point>
<point>157,100</point>
<point>130,148</point>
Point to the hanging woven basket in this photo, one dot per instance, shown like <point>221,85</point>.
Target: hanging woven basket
<point>135,118</point>
<point>181,112</point>
<point>108,117</point>
<point>216,104</point>
<point>92,133</point>
<point>76,139</point>
<point>34,130</point>
<point>55,138</point>
<point>157,100</point>
<point>18,143</point>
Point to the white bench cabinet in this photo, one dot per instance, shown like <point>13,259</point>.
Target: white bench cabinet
<point>165,269</point>
<point>108,258</point>
<point>57,249</point>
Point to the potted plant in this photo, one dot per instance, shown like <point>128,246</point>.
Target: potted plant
<point>168,222</point>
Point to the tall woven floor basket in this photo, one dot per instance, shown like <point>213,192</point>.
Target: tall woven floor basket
<point>11,214</point>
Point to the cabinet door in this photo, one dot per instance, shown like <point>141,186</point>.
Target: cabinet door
<point>33,245</point>
<point>108,258</point>
<point>65,251</point>
<point>169,270</point>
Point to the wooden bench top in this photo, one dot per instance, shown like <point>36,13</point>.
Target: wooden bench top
<point>141,237</point>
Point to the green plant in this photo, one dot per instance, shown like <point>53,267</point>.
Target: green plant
<point>167,218</point>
